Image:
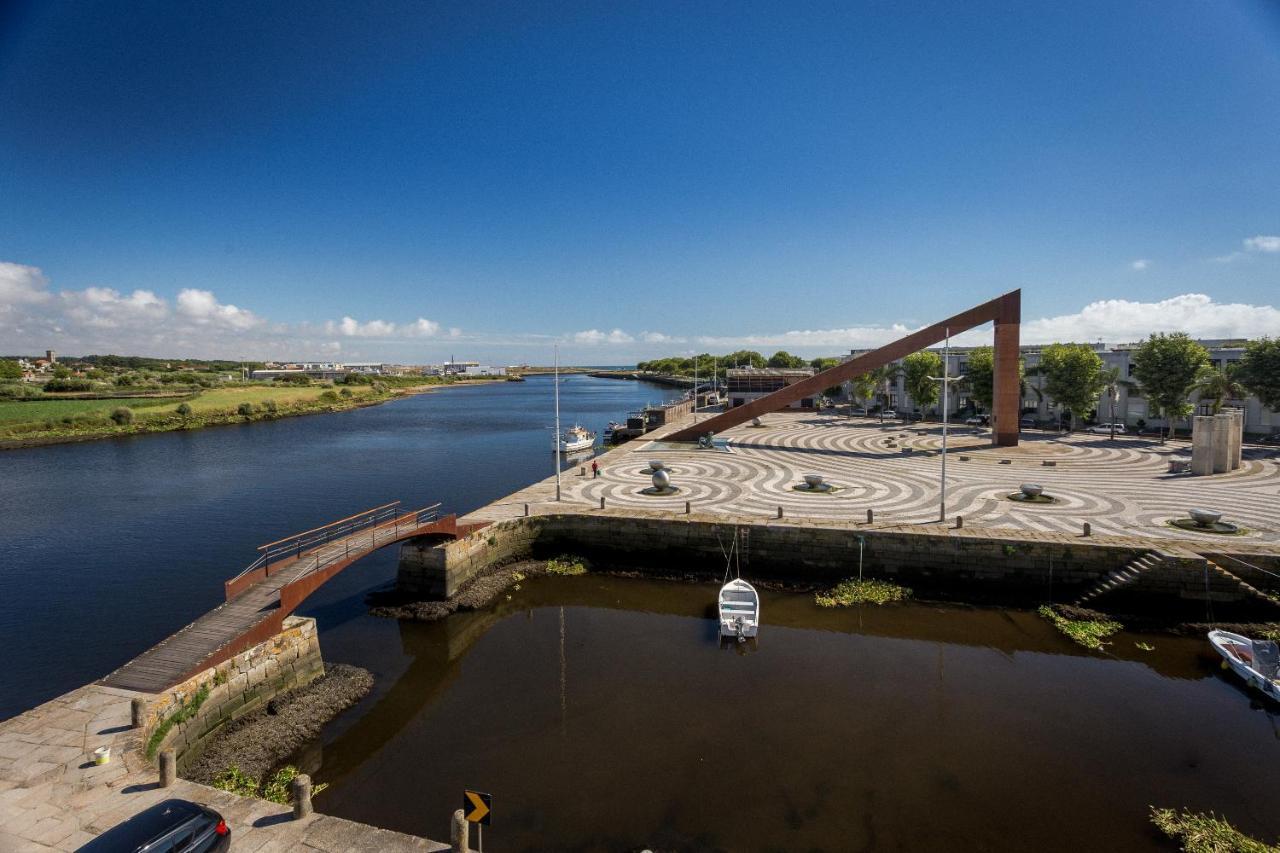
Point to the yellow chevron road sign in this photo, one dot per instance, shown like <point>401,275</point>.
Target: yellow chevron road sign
<point>477,807</point>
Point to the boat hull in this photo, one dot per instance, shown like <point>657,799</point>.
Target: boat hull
<point>739,609</point>
<point>1235,650</point>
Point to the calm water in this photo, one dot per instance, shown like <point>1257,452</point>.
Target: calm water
<point>604,715</point>
<point>107,547</point>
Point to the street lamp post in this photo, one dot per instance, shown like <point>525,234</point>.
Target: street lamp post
<point>946,381</point>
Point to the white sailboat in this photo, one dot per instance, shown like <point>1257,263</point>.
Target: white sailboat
<point>1256,661</point>
<point>739,603</point>
<point>739,610</point>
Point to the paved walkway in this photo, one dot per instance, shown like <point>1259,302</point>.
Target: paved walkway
<point>1122,487</point>
<point>53,798</point>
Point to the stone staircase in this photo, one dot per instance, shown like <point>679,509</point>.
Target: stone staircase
<point>1247,588</point>
<point>1121,577</point>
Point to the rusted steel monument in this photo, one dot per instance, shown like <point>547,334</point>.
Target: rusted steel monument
<point>1005,311</point>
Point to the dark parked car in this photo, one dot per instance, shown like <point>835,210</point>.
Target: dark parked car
<point>173,826</point>
<point>1027,423</point>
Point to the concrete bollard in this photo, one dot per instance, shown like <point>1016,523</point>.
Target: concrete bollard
<point>526,510</point>
<point>459,833</point>
<point>582,472</point>
<point>959,521</point>
<point>779,512</point>
<point>687,508</point>
<point>301,786</point>
<point>138,712</point>
<point>871,516</point>
<point>168,768</point>
<point>602,501</point>
<point>1088,529</point>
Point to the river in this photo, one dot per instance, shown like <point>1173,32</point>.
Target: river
<point>107,547</point>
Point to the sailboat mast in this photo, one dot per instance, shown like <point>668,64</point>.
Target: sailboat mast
<point>556,438</point>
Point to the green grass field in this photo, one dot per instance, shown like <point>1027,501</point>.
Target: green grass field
<point>216,400</point>
<point>38,410</point>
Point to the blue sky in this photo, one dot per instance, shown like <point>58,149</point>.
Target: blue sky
<point>404,181</point>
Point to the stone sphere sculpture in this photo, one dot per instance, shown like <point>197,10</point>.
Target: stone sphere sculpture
<point>755,421</point>
<point>813,481</point>
<point>661,480</point>
<point>656,465</point>
<point>1031,490</point>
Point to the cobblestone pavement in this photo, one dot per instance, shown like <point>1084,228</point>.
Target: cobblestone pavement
<point>1121,487</point>
<point>52,797</point>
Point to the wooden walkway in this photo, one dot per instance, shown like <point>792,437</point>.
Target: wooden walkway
<point>254,610</point>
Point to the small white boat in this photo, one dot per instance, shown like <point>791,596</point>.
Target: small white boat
<point>576,438</point>
<point>739,610</point>
<point>1256,661</point>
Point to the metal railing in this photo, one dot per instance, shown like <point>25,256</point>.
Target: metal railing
<point>376,519</point>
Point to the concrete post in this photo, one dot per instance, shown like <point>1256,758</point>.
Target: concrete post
<point>959,521</point>
<point>602,501</point>
<point>1222,424</point>
<point>1236,438</point>
<point>687,508</point>
<point>779,512</point>
<point>526,510</point>
<point>138,712</point>
<point>459,833</point>
<point>1202,445</point>
<point>871,516</point>
<point>168,768</point>
<point>1088,529</point>
<point>301,787</point>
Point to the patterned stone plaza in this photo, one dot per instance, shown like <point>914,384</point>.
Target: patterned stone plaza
<point>1121,488</point>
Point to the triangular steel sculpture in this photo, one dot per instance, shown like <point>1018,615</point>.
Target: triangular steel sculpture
<point>1005,311</point>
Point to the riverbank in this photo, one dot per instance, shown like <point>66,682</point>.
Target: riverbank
<point>220,407</point>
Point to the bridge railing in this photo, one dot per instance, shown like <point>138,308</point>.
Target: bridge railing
<point>299,545</point>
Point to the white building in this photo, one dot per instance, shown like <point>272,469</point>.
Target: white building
<point>483,370</point>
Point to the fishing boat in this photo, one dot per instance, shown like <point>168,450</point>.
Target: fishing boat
<point>575,438</point>
<point>739,610</point>
<point>610,432</point>
<point>1256,661</point>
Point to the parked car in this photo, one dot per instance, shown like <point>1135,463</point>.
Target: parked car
<point>977,420</point>
<point>1105,429</point>
<point>1027,423</point>
<point>889,413</point>
<point>171,826</point>
<point>858,413</point>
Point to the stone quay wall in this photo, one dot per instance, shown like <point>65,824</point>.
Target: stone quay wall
<point>798,550</point>
<point>235,687</point>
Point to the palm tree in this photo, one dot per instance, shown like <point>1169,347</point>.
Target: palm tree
<point>1112,383</point>
<point>883,377</point>
<point>1218,384</point>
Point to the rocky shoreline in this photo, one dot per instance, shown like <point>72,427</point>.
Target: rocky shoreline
<point>260,742</point>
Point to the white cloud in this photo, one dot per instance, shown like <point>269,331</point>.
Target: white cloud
<point>202,308</point>
<point>592,337</point>
<point>1262,243</point>
<point>352,328</point>
<point>21,285</point>
<point>107,308</point>
<point>1140,264</point>
<point>659,338</point>
<point>1121,321</point>
<point>423,328</point>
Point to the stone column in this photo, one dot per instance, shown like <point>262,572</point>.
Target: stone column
<point>459,833</point>
<point>1222,425</point>
<point>1237,437</point>
<point>1202,445</point>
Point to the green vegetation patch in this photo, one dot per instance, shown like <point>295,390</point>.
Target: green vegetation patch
<point>1090,633</point>
<point>185,711</point>
<point>869,591</point>
<point>1206,833</point>
<point>275,788</point>
<point>566,565</point>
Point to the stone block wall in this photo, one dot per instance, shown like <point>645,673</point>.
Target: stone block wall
<point>798,550</point>
<point>236,687</point>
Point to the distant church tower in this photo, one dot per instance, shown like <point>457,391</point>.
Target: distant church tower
<point>51,355</point>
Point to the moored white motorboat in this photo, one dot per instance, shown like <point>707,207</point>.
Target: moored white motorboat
<point>739,610</point>
<point>576,438</point>
<point>1256,661</point>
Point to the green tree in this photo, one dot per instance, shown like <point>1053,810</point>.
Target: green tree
<point>981,376</point>
<point>1112,382</point>
<point>184,410</point>
<point>122,415</point>
<point>883,377</point>
<point>9,369</point>
<point>861,387</point>
<point>917,369</point>
<point>1167,367</point>
<point>744,358</point>
<point>1215,384</point>
<point>784,359</point>
<point>1073,377</point>
<point>1259,371</point>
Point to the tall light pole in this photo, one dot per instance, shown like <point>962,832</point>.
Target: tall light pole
<point>556,437</point>
<point>946,381</point>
